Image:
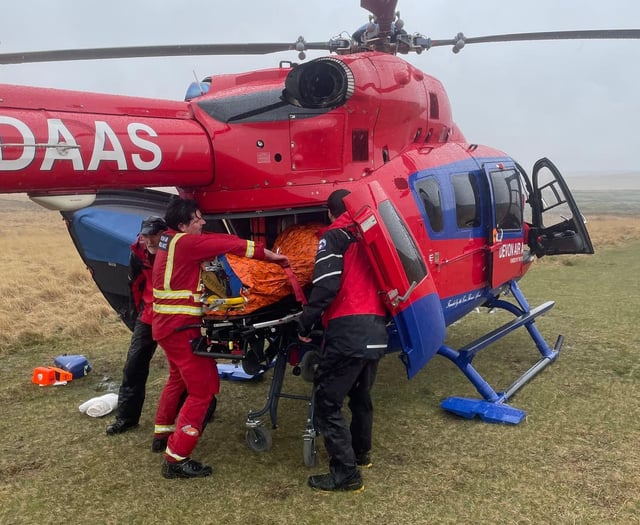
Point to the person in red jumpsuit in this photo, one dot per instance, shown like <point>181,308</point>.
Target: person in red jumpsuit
<point>346,297</point>
<point>142,347</point>
<point>177,312</point>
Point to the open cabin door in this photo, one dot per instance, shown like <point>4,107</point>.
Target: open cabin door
<point>410,293</point>
<point>506,246</point>
<point>558,227</point>
<point>103,233</point>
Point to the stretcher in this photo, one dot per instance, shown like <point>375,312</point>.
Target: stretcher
<point>250,312</point>
<point>259,341</point>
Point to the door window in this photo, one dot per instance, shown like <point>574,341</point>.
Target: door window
<point>507,195</point>
<point>407,251</point>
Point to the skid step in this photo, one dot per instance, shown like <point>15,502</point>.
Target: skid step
<point>503,330</point>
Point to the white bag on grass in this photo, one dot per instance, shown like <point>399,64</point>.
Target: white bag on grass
<point>99,406</point>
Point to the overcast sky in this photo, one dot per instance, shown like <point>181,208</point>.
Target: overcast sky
<point>576,102</point>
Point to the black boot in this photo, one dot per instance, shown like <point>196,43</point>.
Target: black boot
<point>119,426</point>
<point>327,483</point>
<point>187,468</point>
<point>364,460</point>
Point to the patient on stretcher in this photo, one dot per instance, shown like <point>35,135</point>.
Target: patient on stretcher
<point>236,286</point>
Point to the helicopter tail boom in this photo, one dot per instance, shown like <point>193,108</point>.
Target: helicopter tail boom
<point>84,142</point>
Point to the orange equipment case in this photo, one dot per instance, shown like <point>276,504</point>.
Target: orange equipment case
<point>50,375</point>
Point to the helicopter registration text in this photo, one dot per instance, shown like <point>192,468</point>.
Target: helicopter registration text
<point>62,146</point>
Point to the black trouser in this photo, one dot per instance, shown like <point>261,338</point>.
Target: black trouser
<point>135,373</point>
<point>337,377</point>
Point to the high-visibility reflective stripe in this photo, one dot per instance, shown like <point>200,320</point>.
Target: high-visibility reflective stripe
<point>177,309</point>
<point>337,255</point>
<point>168,271</point>
<point>377,346</point>
<point>326,275</point>
<point>176,294</point>
<point>175,456</point>
<point>168,293</point>
<point>164,429</point>
<point>172,294</point>
<point>251,249</point>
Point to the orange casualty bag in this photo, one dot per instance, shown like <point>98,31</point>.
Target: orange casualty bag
<point>265,283</point>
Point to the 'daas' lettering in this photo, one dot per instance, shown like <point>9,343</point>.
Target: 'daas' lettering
<point>100,153</point>
<point>29,151</point>
<point>58,133</point>
<point>146,145</point>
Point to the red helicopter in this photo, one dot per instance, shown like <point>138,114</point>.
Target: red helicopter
<point>450,226</point>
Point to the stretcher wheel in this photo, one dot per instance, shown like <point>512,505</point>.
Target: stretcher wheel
<point>251,363</point>
<point>309,364</point>
<point>309,452</point>
<point>259,439</point>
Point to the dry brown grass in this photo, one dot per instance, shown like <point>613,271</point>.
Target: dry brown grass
<point>613,230</point>
<point>45,289</point>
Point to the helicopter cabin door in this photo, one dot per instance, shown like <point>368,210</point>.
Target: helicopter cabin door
<point>558,227</point>
<point>506,243</point>
<point>410,293</point>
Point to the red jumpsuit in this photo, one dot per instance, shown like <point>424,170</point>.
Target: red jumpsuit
<point>176,290</point>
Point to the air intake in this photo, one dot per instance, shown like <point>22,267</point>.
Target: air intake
<point>322,83</point>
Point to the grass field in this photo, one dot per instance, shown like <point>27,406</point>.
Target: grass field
<point>575,459</point>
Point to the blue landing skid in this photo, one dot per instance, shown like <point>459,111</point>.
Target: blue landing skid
<point>488,412</point>
<point>493,408</point>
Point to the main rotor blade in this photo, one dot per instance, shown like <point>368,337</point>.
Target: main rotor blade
<point>157,51</point>
<point>590,34</point>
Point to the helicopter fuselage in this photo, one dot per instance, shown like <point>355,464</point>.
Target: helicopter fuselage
<point>444,220</point>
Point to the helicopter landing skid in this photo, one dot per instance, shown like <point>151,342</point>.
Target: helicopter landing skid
<point>493,408</point>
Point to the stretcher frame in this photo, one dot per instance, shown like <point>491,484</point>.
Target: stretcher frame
<point>260,341</point>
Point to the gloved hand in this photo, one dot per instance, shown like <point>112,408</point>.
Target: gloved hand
<point>303,333</point>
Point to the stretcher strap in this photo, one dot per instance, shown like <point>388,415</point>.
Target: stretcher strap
<point>297,289</point>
